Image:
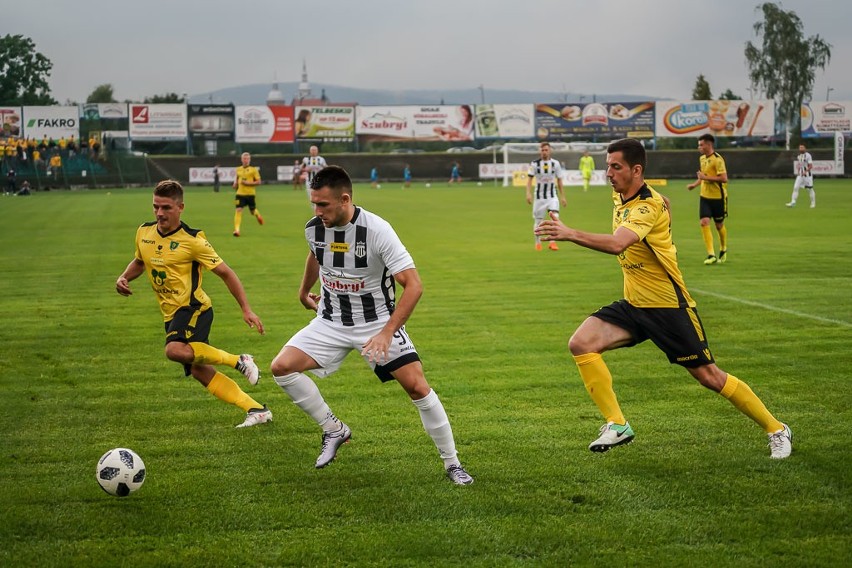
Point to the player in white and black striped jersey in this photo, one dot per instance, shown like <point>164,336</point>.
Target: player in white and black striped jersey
<point>804,176</point>
<point>310,166</point>
<point>547,173</point>
<point>358,259</point>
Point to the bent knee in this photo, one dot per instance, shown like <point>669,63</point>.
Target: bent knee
<point>579,345</point>
<point>179,352</point>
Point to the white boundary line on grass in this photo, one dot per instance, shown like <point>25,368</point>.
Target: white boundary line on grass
<point>774,308</point>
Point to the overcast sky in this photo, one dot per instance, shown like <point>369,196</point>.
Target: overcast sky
<point>640,47</point>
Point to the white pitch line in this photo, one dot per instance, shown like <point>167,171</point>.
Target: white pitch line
<point>774,308</point>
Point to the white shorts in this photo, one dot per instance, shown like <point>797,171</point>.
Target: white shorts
<point>803,181</point>
<point>542,206</point>
<point>329,344</point>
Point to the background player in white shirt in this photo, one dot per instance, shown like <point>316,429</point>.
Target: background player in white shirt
<point>358,259</point>
<point>311,165</point>
<point>548,179</point>
<point>804,176</point>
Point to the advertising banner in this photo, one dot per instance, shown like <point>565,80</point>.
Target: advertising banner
<point>10,122</point>
<point>97,111</point>
<point>505,121</point>
<point>719,118</point>
<point>205,175</point>
<point>438,122</point>
<point>211,122</point>
<point>264,124</point>
<point>826,118</point>
<point>157,122</point>
<point>609,120</point>
<point>52,121</point>
<point>328,123</point>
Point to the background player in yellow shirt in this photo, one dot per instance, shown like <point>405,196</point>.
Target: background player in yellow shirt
<point>246,182</point>
<point>587,168</point>
<point>656,304</point>
<point>174,256</point>
<point>713,202</point>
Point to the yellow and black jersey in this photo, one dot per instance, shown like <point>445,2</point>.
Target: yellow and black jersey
<point>713,166</point>
<point>652,278</point>
<point>174,264</point>
<point>247,173</point>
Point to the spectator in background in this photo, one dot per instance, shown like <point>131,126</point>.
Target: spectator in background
<point>54,168</point>
<point>11,187</point>
<point>216,178</point>
<point>297,174</point>
<point>25,188</point>
<point>72,146</point>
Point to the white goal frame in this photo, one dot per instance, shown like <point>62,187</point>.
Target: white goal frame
<point>532,149</point>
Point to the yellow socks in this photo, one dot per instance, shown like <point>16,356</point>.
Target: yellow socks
<point>209,355</point>
<point>598,381</point>
<point>228,391</point>
<point>723,238</point>
<point>708,239</point>
<point>747,402</point>
<point>238,219</point>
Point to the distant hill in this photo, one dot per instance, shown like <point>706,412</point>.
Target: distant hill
<point>256,94</point>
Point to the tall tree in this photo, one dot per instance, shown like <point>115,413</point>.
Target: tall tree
<point>166,98</point>
<point>785,65</point>
<point>729,96</point>
<point>23,73</point>
<point>701,91</point>
<point>101,94</point>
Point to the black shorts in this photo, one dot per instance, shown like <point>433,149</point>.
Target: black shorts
<point>245,201</point>
<point>189,324</point>
<point>716,209</point>
<point>678,332</point>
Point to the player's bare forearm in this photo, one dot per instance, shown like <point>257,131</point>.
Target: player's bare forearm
<point>412,291</point>
<point>309,278</point>
<point>133,271</point>
<point>235,287</point>
<point>556,230</point>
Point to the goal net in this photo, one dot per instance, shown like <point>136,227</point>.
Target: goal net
<point>518,155</point>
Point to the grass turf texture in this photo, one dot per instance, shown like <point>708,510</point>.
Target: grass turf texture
<point>83,371</point>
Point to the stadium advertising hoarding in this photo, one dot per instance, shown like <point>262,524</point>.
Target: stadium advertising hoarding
<point>436,122</point>
<point>264,124</point>
<point>720,118</point>
<point>157,122</point>
<point>609,120</point>
<point>10,121</point>
<point>52,121</point>
<point>826,118</point>
<point>97,111</point>
<point>211,122</point>
<point>505,121</point>
<point>327,123</point>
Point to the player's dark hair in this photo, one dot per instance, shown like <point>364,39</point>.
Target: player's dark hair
<point>169,188</point>
<point>632,150</point>
<point>333,177</point>
<point>708,138</point>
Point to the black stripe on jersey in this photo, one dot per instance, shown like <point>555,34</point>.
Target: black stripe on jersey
<point>345,310</point>
<point>360,237</point>
<point>194,303</point>
<point>369,305</point>
<point>339,256</point>
<point>326,305</point>
<point>389,290</point>
<point>681,299</point>
<point>191,232</point>
<point>319,237</point>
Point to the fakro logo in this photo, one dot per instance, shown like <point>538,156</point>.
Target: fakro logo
<point>140,114</point>
<point>52,123</point>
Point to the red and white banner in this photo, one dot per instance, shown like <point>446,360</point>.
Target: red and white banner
<point>157,122</point>
<point>264,124</point>
<point>52,121</point>
<point>439,122</point>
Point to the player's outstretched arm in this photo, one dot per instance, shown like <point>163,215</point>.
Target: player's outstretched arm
<point>232,281</point>
<point>555,230</point>
<point>133,270</point>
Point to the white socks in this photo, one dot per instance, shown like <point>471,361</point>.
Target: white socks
<point>306,396</point>
<point>437,425</point>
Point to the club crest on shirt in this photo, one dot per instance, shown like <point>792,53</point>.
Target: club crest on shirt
<point>360,249</point>
<point>173,245</point>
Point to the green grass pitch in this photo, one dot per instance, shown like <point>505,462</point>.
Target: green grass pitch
<point>82,371</point>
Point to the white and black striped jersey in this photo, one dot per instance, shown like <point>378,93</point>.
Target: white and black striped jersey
<point>804,163</point>
<point>545,172</point>
<point>356,267</point>
<point>311,165</point>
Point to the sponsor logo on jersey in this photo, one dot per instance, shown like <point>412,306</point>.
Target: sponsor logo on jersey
<point>339,247</point>
<point>158,277</point>
<point>147,242</point>
<point>342,285</point>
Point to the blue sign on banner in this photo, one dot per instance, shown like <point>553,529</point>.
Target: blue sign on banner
<point>612,120</point>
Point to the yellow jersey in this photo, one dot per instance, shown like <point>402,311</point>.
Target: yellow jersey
<point>247,173</point>
<point>652,278</point>
<point>174,264</point>
<point>713,166</point>
<point>587,164</point>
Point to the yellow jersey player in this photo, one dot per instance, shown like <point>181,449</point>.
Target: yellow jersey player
<point>174,257</point>
<point>713,179</point>
<point>246,182</point>
<point>587,168</point>
<point>656,304</point>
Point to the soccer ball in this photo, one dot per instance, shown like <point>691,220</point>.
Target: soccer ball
<point>120,472</point>
<point>479,184</point>
<point>428,185</point>
<point>379,186</point>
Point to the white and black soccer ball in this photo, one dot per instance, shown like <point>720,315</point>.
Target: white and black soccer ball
<point>120,472</point>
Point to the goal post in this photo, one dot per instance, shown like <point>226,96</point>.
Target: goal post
<point>518,155</point>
